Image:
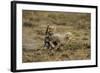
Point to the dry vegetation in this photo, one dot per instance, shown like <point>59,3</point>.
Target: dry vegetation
<point>33,33</point>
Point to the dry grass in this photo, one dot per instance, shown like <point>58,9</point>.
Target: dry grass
<point>33,33</point>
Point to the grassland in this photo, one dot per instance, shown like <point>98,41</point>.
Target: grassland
<point>33,33</point>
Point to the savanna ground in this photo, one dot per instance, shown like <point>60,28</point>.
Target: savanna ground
<point>33,33</point>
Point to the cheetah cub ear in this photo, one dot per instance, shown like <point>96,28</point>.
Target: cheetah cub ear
<point>54,29</point>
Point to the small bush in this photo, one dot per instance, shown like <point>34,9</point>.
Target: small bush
<point>73,45</point>
<point>27,24</point>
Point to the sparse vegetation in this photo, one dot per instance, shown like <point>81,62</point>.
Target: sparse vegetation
<point>33,33</point>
